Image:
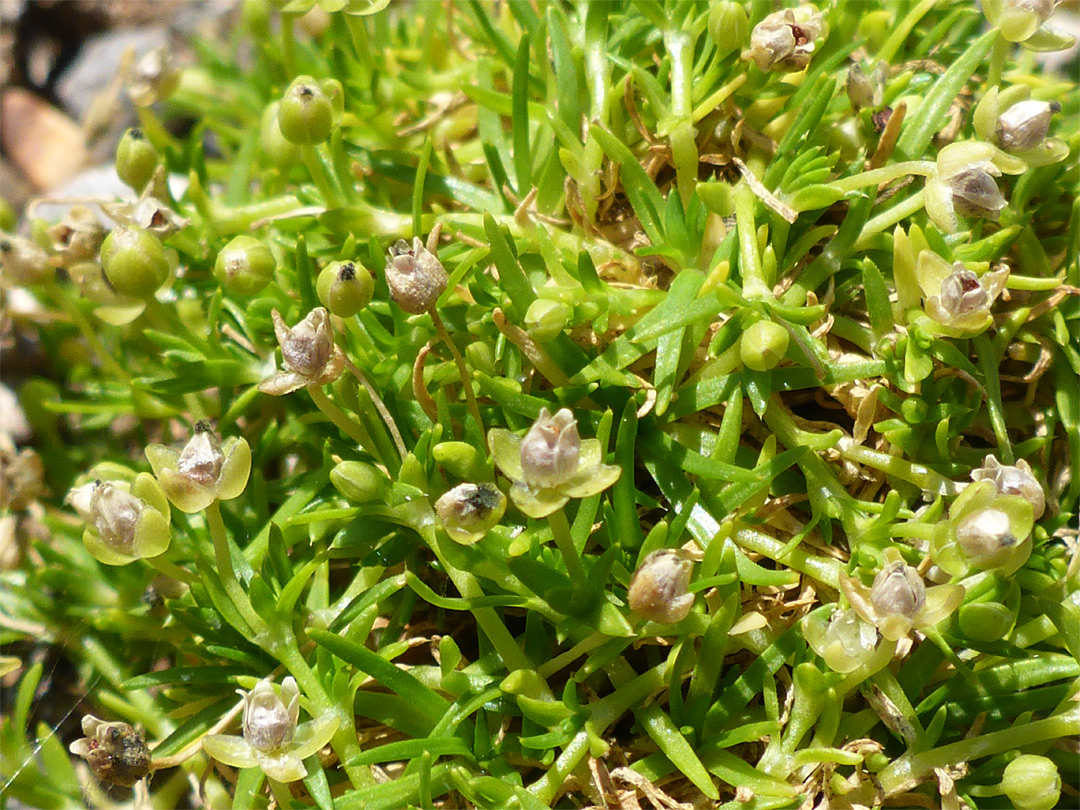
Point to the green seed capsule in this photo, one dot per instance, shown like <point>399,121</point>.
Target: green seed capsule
<point>1032,782</point>
<point>763,345</point>
<point>358,481</point>
<point>461,459</point>
<point>136,159</point>
<point>306,115</point>
<point>345,288</point>
<point>134,262</point>
<point>986,621</point>
<point>245,266</point>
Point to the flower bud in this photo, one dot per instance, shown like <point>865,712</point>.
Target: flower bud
<point>24,262</point>
<point>897,596</point>
<point>550,450</point>
<point>658,589</point>
<point>270,718</point>
<point>460,458</point>
<point>1025,125</point>
<point>728,26</point>
<point>136,159</point>
<point>469,511</point>
<point>546,319</point>
<point>957,298</point>
<point>115,752</point>
<point>245,266</point>
<point>359,482</point>
<point>345,288</point>
<point>976,194</point>
<point>1032,782</point>
<point>155,78</point>
<point>763,345</point>
<point>415,276</point>
<point>278,151</point>
<point>784,40</point>
<point>986,621</point>
<point>844,640</point>
<point>987,537</point>
<point>306,114</point>
<point>1014,480</point>
<point>134,262</point>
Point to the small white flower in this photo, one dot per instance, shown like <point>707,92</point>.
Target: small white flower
<point>658,589</point>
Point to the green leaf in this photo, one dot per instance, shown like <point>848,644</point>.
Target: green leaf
<point>424,700</point>
<point>520,119</point>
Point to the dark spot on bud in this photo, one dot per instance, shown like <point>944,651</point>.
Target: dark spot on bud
<point>484,499</point>
<point>157,219</point>
<point>5,245</point>
<point>305,92</point>
<point>203,426</point>
<point>136,134</point>
<point>347,271</point>
<point>881,118</point>
<point>800,35</point>
<point>400,248</point>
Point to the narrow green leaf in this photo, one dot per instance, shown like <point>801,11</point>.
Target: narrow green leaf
<point>877,300</point>
<point>520,119</point>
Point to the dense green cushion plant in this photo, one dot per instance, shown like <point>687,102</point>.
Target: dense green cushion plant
<point>559,401</point>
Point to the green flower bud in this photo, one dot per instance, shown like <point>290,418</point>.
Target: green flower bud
<point>306,115</point>
<point>460,458</point>
<point>481,356</point>
<point>658,590</point>
<point>245,266</point>
<point>986,621</point>
<point>345,288</point>
<point>546,319</point>
<point>728,26</point>
<point>1032,782</point>
<point>763,345</point>
<point>359,482</point>
<point>275,148</point>
<point>116,752</point>
<point>469,511</point>
<point>134,262</point>
<point>136,159</point>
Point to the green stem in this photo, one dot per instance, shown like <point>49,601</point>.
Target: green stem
<point>463,371</point>
<point>317,169</point>
<point>288,45</point>
<point>227,573</point>
<point>354,430</point>
<point>923,477</point>
<point>886,174</point>
<point>754,286</point>
<point>910,769</point>
<point>282,794</point>
<point>988,361</point>
<point>171,569</point>
<point>53,291</point>
<point>886,219</point>
<point>561,531</point>
<point>998,56</point>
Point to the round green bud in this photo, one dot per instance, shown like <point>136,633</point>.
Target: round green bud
<point>546,319</point>
<point>345,288</point>
<point>481,356</point>
<point>136,159</point>
<point>134,262</point>
<point>728,26</point>
<point>359,482</point>
<point>914,410</point>
<point>763,345</point>
<point>277,151</point>
<point>460,458</point>
<point>986,621</point>
<point>244,266</point>
<point>1032,782</point>
<point>306,114</point>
